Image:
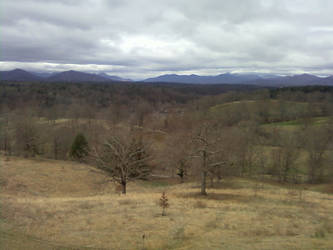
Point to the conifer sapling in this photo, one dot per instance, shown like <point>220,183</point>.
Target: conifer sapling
<point>164,203</point>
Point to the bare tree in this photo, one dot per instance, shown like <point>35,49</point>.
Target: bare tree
<point>5,135</point>
<point>142,109</point>
<point>205,143</point>
<point>27,135</point>
<point>316,142</point>
<point>123,159</point>
<point>284,157</point>
<point>175,154</point>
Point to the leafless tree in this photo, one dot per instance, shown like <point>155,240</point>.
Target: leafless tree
<point>316,142</point>
<point>175,154</point>
<point>205,147</point>
<point>5,135</point>
<point>123,159</point>
<point>27,135</point>
<point>285,156</point>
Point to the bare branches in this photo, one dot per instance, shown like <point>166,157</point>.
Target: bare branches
<point>123,158</point>
<point>206,143</point>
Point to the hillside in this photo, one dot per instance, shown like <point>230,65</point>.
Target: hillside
<point>56,204</point>
<point>266,111</point>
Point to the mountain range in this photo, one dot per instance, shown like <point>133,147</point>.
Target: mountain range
<point>251,78</point>
<point>229,78</point>
<point>222,78</point>
<point>65,76</point>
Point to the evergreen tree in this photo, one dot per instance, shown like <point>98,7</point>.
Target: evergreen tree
<point>164,204</point>
<point>79,148</point>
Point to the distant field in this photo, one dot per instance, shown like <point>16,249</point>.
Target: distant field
<point>312,121</point>
<point>62,205</point>
<point>294,125</point>
<point>253,104</point>
<point>273,110</point>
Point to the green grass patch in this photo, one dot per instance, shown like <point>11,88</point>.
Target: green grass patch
<point>294,125</point>
<point>323,120</point>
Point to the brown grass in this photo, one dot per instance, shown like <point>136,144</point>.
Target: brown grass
<point>71,205</point>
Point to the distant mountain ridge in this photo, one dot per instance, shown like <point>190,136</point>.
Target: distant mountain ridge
<point>75,76</point>
<point>227,78</point>
<point>112,77</point>
<point>196,79</point>
<point>65,76</point>
<point>18,75</point>
<point>295,80</point>
<point>255,79</point>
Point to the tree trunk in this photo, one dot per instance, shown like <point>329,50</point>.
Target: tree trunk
<point>123,185</point>
<point>203,174</point>
<point>312,172</point>
<point>321,175</point>
<point>55,149</point>
<point>212,181</point>
<point>203,182</point>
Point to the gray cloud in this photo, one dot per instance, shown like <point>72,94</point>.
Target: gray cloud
<point>140,38</point>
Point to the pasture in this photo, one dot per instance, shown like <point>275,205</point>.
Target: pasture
<point>48,204</point>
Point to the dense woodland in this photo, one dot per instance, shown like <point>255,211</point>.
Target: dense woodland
<point>206,132</point>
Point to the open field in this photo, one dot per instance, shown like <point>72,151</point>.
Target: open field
<point>294,125</point>
<point>286,114</point>
<point>62,205</point>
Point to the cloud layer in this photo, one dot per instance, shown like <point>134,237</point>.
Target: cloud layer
<point>140,38</point>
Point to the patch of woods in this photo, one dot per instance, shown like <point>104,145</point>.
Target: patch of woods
<point>209,133</point>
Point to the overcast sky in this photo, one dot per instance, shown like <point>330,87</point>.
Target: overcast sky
<point>142,38</point>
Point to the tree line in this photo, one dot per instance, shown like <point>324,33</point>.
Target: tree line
<point>130,131</point>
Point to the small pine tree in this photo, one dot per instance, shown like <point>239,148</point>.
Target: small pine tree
<point>164,203</point>
<point>79,147</point>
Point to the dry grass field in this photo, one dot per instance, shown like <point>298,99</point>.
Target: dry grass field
<point>48,204</point>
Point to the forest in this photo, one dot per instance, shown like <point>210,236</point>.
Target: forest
<point>193,131</point>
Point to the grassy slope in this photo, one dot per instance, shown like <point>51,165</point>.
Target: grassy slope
<point>294,125</point>
<point>272,108</point>
<point>49,204</point>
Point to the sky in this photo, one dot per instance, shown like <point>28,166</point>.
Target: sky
<point>145,38</point>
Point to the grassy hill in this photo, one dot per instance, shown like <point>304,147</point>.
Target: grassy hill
<point>48,204</point>
<point>265,110</point>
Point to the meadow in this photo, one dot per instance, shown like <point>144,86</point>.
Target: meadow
<point>49,204</point>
